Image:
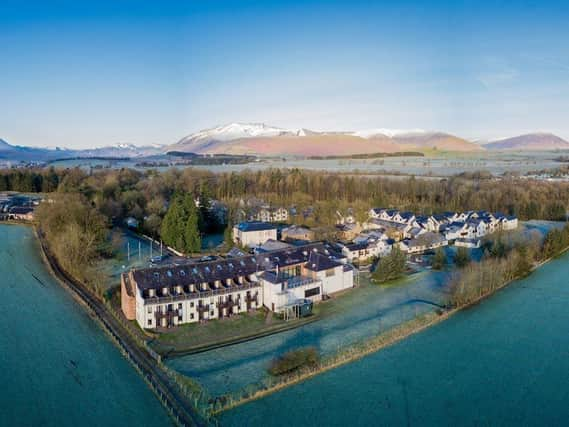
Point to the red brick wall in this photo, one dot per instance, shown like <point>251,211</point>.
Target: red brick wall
<point>128,302</point>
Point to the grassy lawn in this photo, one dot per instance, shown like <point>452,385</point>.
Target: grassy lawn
<point>189,337</point>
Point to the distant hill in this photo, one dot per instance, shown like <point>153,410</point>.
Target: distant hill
<point>529,142</point>
<point>263,140</point>
<point>436,141</point>
<point>10,152</point>
<point>121,150</point>
<point>258,138</point>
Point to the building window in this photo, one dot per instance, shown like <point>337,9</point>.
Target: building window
<point>179,306</point>
<point>149,322</point>
<point>149,309</point>
<point>330,273</point>
<point>311,292</point>
<point>212,312</point>
<point>192,316</point>
<point>192,304</point>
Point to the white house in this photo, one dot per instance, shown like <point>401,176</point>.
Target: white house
<point>428,223</point>
<point>375,212</point>
<point>388,214</point>
<point>254,233</point>
<point>457,230</point>
<point>477,227</point>
<point>509,223</point>
<point>265,214</point>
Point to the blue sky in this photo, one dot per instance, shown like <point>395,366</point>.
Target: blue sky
<point>95,73</point>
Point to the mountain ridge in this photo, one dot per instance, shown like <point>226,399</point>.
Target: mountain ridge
<point>264,140</point>
<point>259,138</point>
<point>537,141</point>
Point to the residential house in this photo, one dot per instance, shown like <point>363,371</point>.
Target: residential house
<point>266,214</point>
<point>297,232</point>
<point>478,226</point>
<point>253,233</point>
<point>456,230</point>
<point>21,213</point>
<point>509,223</point>
<point>422,243</point>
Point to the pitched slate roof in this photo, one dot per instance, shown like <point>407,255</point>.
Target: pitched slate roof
<point>196,273</point>
<point>319,262</point>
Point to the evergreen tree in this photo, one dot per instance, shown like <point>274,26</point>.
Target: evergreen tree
<point>180,227</point>
<point>390,267</point>
<point>169,231</point>
<point>192,237</point>
<point>206,221</point>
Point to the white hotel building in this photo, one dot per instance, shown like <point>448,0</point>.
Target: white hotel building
<point>173,295</point>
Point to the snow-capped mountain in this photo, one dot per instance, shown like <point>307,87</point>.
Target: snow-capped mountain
<point>200,141</point>
<point>258,138</point>
<point>16,152</point>
<point>121,150</point>
<point>241,130</point>
<point>391,133</point>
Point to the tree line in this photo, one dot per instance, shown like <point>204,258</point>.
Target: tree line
<point>147,195</point>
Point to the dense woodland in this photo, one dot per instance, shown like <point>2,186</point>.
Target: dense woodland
<point>147,196</point>
<point>119,193</point>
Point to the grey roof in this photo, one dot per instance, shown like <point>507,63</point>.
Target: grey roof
<point>196,273</point>
<point>272,245</point>
<point>236,253</point>
<point>296,229</point>
<point>319,262</point>
<point>356,246</point>
<point>255,226</point>
<point>426,239</point>
<point>21,210</point>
